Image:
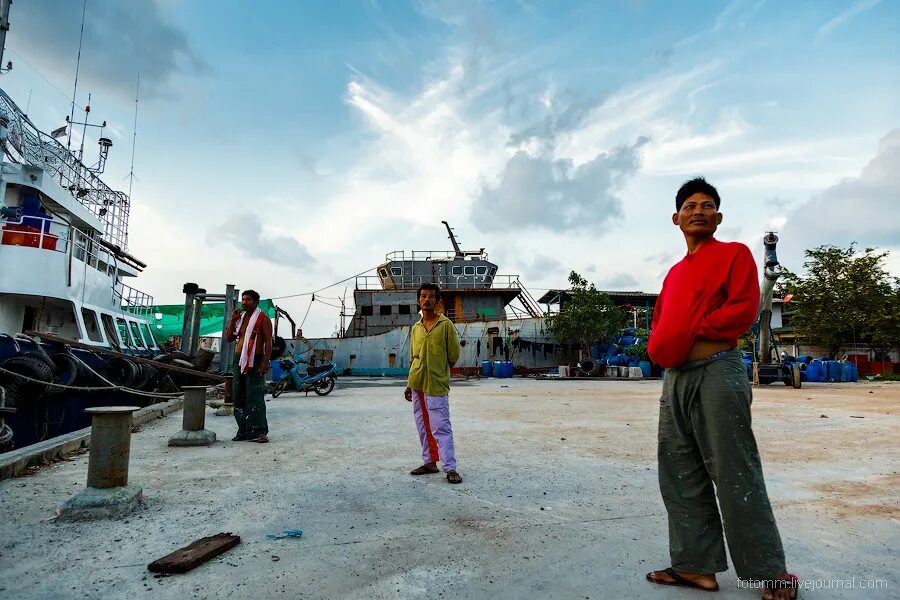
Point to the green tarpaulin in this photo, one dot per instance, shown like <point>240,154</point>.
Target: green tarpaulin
<point>168,319</point>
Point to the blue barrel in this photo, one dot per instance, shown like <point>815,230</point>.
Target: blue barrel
<point>832,370</point>
<point>275,369</point>
<point>804,359</point>
<point>634,361</point>
<point>507,368</point>
<point>747,356</point>
<point>815,372</point>
<point>748,364</point>
<point>486,368</point>
<point>849,372</point>
<point>595,351</point>
<point>498,368</point>
<point>612,350</point>
<point>629,331</point>
<point>645,367</point>
<point>626,340</point>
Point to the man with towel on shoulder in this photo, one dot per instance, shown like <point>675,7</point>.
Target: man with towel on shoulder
<point>253,331</point>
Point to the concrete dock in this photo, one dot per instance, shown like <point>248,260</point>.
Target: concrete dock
<point>560,499</point>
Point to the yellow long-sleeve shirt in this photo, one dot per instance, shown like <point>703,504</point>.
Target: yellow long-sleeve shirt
<point>431,354</point>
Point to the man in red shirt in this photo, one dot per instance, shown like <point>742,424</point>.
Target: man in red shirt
<point>706,446</point>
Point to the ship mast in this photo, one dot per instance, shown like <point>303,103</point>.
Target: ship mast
<point>459,253</point>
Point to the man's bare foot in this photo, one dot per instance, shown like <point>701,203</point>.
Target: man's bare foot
<point>783,587</point>
<point>700,581</point>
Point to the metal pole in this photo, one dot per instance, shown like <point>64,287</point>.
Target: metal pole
<point>195,322</point>
<point>189,290</point>
<point>226,351</point>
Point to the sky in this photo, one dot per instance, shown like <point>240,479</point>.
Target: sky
<point>285,146</point>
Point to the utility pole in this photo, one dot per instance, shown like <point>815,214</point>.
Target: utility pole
<point>4,25</point>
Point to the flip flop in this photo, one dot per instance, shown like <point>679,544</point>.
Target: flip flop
<point>679,581</point>
<point>424,470</point>
<point>261,439</point>
<point>454,477</point>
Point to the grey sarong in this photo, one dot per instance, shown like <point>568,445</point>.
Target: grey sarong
<point>705,439</point>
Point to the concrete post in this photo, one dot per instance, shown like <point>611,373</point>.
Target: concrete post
<point>193,432</point>
<point>228,407</point>
<point>108,494</point>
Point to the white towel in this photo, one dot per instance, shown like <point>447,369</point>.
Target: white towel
<point>247,350</point>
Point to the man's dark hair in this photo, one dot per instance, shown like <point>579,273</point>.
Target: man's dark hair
<point>430,286</point>
<point>252,294</point>
<point>698,185</point>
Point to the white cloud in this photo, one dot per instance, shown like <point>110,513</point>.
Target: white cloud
<point>245,232</point>
<point>864,208</point>
<point>856,9</point>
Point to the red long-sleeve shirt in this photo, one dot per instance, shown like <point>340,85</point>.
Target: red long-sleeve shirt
<point>711,294</point>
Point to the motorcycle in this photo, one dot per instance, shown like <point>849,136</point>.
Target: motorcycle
<point>319,379</point>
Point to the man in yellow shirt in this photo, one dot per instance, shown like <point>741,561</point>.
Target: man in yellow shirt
<point>433,349</point>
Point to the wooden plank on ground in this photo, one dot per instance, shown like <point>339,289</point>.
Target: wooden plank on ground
<point>159,365</point>
<point>195,554</point>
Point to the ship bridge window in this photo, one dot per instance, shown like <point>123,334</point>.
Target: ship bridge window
<point>136,334</point>
<point>91,324</point>
<point>110,328</point>
<point>366,311</point>
<point>456,270</point>
<point>481,270</point>
<point>493,271</point>
<point>383,273</point>
<point>396,271</point>
<point>384,309</point>
<point>148,335</point>
<point>404,309</point>
<point>122,326</point>
<point>470,270</point>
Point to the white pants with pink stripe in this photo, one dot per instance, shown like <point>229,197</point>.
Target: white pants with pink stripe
<point>432,415</point>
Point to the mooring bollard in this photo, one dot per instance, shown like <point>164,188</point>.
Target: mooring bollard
<point>193,432</point>
<point>227,408</point>
<point>108,494</point>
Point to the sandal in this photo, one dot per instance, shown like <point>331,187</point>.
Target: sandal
<point>262,439</point>
<point>454,477</point>
<point>788,581</point>
<point>680,581</point>
<point>424,469</point>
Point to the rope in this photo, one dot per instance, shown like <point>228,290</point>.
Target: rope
<point>111,387</point>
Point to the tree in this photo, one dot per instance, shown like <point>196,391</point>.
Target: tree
<point>846,297</point>
<point>590,316</point>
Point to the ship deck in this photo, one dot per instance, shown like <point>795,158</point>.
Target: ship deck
<point>560,499</point>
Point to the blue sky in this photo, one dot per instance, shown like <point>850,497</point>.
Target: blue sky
<point>286,145</point>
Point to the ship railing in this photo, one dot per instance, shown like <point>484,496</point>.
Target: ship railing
<point>27,144</point>
<point>450,282</point>
<point>56,236</point>
<point>134,300</point>
<point>413,255</point>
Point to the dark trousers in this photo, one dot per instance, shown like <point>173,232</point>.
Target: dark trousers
<point>707,450</point>
<point>248,395</point>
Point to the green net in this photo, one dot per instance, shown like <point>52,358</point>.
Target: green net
<point>168,319</point>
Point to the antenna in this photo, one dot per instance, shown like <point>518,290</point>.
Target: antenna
<point>459,253</point>
<point>77,65</point>
<point>137,96</point>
